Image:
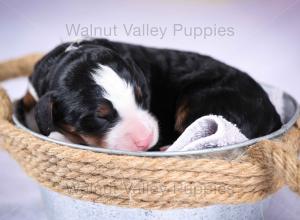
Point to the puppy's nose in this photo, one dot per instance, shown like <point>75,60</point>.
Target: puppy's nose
<point>145,142</point>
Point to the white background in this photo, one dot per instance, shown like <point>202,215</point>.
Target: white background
<point>265,44</point>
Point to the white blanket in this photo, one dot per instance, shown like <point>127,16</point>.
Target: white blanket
<point>208,131</point>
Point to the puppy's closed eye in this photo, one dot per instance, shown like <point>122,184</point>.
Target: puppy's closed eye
<point>106,111</point>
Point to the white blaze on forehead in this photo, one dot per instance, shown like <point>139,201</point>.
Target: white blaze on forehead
<point>116,89</point>
<point>136,124</point>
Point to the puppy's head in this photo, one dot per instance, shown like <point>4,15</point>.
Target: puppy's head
<point>99,100</point>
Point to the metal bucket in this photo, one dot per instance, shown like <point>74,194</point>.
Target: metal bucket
<point>60,207</point>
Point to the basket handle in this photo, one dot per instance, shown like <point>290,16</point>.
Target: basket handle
<point>281,157</point>
<point>22,66</point>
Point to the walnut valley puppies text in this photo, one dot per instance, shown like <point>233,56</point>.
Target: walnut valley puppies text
<point>149,30</point>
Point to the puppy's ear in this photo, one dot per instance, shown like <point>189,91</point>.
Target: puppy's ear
<point>44,114</point>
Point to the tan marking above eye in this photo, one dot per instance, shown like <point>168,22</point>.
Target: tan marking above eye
<point>181,115</point>
<point>138,92</point>
<point>104,110</point>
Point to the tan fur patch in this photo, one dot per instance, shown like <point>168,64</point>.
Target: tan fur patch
<point>70,132</point>
<point>138,92</point>
<point>181,115</point>
<point>94,141</point>
<point>104,110</point>
<point>28,102</point>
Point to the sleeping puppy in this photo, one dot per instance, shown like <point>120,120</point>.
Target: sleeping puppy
<point>128,97</point>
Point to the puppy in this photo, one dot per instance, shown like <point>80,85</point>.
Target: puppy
<point>129,97</point>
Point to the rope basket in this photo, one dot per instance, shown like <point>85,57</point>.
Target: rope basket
<point>148,182</point>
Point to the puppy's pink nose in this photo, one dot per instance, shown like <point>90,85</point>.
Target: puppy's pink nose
<point>144,144</point>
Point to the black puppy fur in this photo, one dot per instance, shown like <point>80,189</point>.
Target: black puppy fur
<point>176,87</point>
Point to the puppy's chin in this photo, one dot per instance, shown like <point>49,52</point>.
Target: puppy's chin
<point>132,148</point>
<point>122,144</point>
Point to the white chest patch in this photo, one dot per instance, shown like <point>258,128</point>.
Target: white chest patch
<point>116,89</point>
